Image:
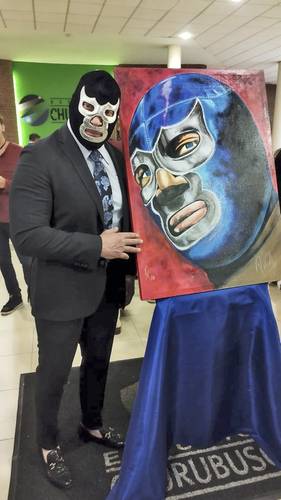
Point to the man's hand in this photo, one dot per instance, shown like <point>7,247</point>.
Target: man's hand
<point>2,182</point>
<point>117,245</point>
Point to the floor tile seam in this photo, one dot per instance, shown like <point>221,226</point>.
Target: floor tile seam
<point>15,354</point>
<point>137,328</point>
<point>6,439</point>
<point>124,343</point>
<point>6,390</point>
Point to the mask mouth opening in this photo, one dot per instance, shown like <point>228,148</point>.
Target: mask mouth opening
<point>93,132</point>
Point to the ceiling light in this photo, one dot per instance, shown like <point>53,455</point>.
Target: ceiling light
<point>185,35</point>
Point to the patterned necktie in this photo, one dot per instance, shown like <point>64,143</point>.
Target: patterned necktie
<point>103,186</point>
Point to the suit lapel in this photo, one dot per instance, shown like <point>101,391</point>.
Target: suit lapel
<point>74,155</point>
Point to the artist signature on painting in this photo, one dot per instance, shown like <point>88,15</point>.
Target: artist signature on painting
<point>264,263</point>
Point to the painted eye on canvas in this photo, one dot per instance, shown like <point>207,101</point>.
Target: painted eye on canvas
<point>183,144</point>
<point>143,175</point>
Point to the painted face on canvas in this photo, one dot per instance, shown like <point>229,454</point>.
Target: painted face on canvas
<point>201,166</point>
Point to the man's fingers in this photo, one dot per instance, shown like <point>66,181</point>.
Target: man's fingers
<point>132,241</point>
<point>130,249</point>
<point>130,235</point>
<point>124,256</point>
<point>118,246</point>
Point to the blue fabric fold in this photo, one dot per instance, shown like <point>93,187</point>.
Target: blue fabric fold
<point>212,369</point>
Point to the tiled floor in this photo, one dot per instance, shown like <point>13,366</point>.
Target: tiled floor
<point>18,355</point>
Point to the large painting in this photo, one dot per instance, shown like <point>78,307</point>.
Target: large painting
<point>201,179</point>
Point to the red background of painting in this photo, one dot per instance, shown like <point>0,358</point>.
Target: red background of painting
<point>162,271</point>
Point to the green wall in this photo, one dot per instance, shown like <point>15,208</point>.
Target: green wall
<point>45,90</point>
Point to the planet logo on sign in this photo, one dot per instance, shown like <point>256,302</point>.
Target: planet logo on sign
<point>33,109</point>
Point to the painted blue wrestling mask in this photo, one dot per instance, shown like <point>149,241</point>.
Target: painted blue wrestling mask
<point>201,165</point>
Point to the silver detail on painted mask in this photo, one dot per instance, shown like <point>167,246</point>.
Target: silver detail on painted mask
<point>106,113</point>
<point>179,150</point>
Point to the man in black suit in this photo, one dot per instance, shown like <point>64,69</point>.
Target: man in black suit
<point>69,213</point>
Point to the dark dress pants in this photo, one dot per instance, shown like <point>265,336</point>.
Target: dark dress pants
<point>57,343</point>
<point>6,266</point>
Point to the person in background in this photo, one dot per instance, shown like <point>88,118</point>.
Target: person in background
<point>9,154</point>
<point>69,211</point>
<point>33,138</point>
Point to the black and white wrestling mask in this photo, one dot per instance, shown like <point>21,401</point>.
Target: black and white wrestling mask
<point>93,109</point>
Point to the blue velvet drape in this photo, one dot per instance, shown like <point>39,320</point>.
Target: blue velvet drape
<point>212,368</point>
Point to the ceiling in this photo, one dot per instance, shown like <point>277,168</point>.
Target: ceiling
<point>226,33</point>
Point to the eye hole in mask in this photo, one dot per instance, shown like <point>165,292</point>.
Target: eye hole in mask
<point>109,112</point>
<point>183,144</point>
<point>143,175</point>
<point>88,106</point>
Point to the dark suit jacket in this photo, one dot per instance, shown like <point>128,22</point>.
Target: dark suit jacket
<point>56,217</point>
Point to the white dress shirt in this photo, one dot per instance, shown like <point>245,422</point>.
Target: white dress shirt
<point>111,172</point>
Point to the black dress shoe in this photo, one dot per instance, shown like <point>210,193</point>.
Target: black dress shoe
<point>14,302</point>
<point>57,472</point>
<point>109,438</point>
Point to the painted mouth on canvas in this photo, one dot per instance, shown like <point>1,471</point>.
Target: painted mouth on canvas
<point>187,217</point>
